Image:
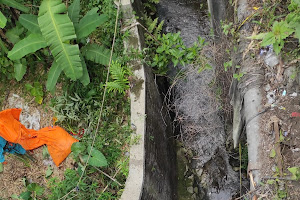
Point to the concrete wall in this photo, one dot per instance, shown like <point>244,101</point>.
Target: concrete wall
<point>217,9</point>
<point>152,170</point>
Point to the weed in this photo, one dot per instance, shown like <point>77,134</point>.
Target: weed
<point>35,90</point>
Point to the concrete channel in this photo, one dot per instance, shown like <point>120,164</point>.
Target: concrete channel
<point>152,168</point>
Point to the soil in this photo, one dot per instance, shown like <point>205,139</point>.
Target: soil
<point>18,168</point>
<point>290,145</point>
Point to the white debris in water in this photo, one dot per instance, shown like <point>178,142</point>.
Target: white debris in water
<point>30,117</point>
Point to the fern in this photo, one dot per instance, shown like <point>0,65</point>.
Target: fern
<point>119,75</point>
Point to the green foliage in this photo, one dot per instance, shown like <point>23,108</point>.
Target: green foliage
<point>73,11</point>
<point>33,192</point>
<point>27,45</point>
<point>119,75</point>
<point>97,159</point>
<point>228,28</point>
<point>54,28</point>
<point>283,29</point>
<point>3,20</point>
<point>89,23</point>
<point>96,53</point>
<point>295,173</point>
<point>16,5</point>
<point>57,29</point>
<point>36,90</point>
<point>227,65</point>
<point>163,49</point>
<point>20,69</point>
<point>238,76</point>
<point>30,22</point>
<point>272,153</point>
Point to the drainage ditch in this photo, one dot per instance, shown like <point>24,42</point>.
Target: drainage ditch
<point>204,170</point>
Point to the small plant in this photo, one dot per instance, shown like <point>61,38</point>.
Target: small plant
<point>163,49</point>
<point>227,65</point>
<point>119,75</point>
<point>36,90</point>
<point>283,29</point>
<point>97,159</point>
<point>228,28</point>
<point>238,76</point>
<point>33,192</point>
<point>295,173</point>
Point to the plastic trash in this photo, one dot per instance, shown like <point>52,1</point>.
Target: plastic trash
<point>295,114</point>
<point>58,141</point>
<point>284,93</point>
<point>294,94</point>
<point>10,148</point>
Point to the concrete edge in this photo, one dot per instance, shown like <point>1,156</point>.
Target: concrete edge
<point>134,183</point>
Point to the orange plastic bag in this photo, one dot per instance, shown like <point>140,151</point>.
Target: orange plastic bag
<point>58,141</point>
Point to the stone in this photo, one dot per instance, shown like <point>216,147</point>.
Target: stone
<point>271,59</point>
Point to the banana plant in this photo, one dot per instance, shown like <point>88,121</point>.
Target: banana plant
<point>13,35</point>
<point>61,29</point>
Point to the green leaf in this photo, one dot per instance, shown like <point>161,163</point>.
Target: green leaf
<point>268,39</point>
<point>14,34</point>
<point>3,20</point>
<point>88,24</point>
<point>295,172</point>
<point>25,195</point>
<point>258,37</point>
<point>30,44</point>
<point>97,159</point>
<point>19,70</point>
<point>14,196</point>
<point>96,53</point>
<point>270,182</point>
<point>74,10</point>
<point>85,79</point>
<point>30,22</point>
<point>58,30</point>
<point>272,153</point>
<point>34,187</point>
<point>78,147</point>
<point>28,87</point>
<point>49,172</point>
<point>53,76</point>
<point>16,5</point>
<point>1,167</point>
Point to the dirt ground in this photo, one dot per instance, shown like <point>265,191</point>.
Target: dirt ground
<point>20,168</point>
<point>281,100</point>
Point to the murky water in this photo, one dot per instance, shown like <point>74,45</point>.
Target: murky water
<point>196,108</point>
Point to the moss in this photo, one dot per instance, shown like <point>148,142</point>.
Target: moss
<point>183,182</point>
<point>137,86</point>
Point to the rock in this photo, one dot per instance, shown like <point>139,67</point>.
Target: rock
<point>190,190</point>
<point>271,59</point>
<point>196,190</point>
<point>267,87</point>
